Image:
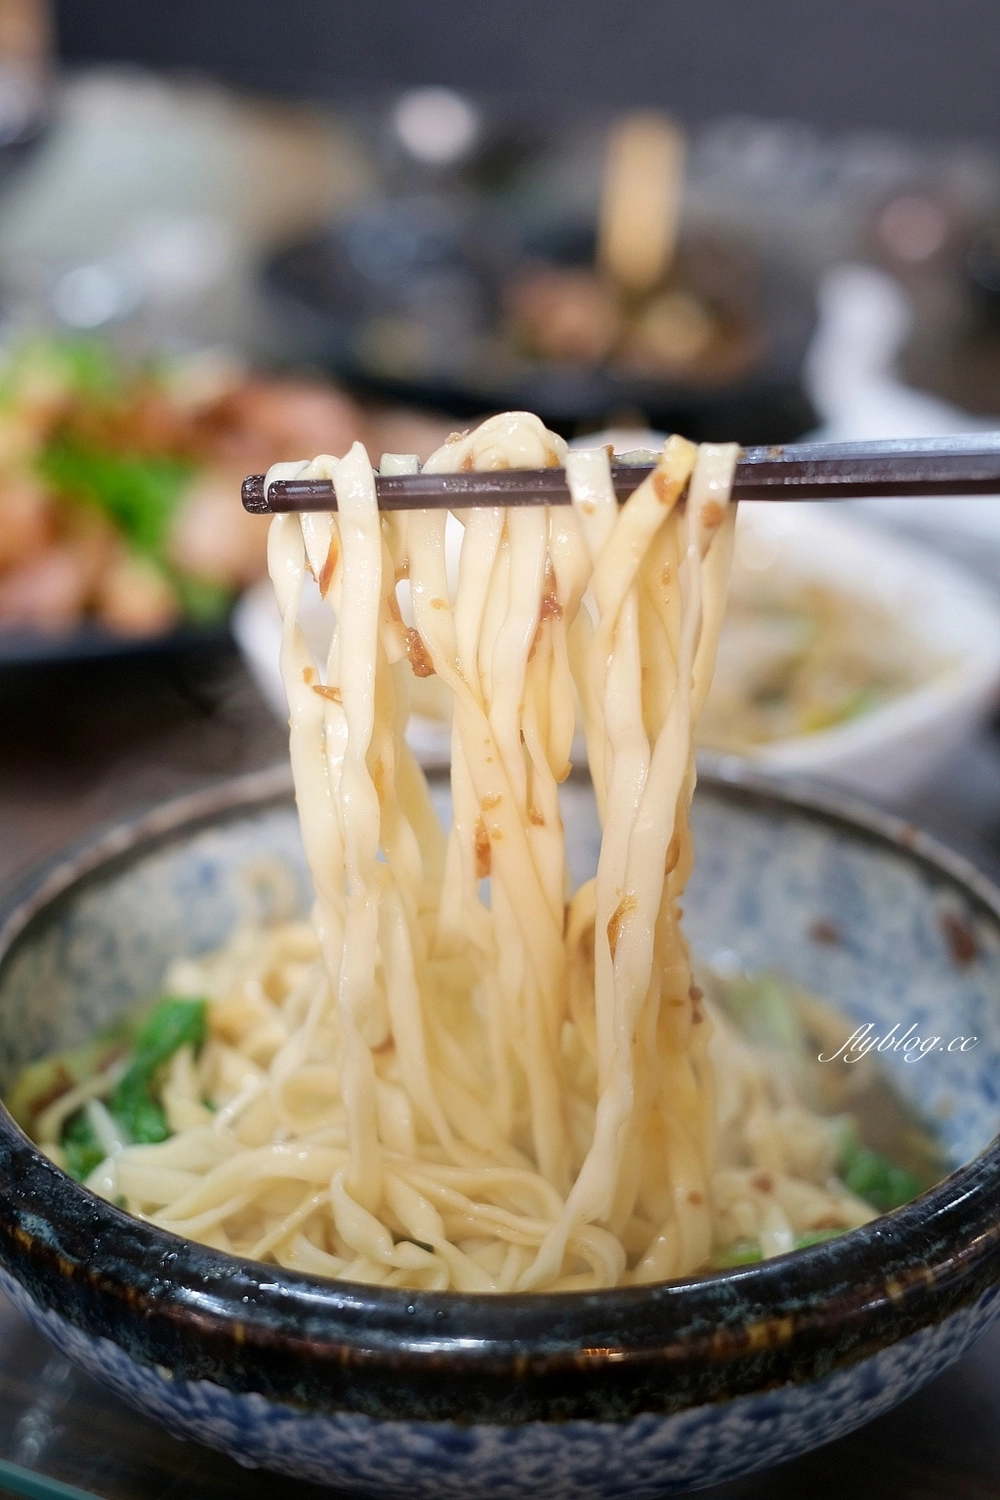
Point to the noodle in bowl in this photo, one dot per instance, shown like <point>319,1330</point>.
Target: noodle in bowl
<point>475,1071</point>
<point>641,1390</point>
<point>432,1089</point>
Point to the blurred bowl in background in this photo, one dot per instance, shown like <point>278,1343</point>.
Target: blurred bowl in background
<point>824,576</point>
<point>947,623</point>
<point>965,528</point>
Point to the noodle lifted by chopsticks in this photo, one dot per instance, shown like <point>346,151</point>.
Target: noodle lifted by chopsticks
<point>431,1087</point>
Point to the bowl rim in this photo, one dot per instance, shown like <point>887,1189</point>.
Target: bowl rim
<point>391,1353</point>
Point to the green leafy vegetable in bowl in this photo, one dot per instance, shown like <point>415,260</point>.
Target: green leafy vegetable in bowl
<point>174,1024</point>
<point>125,1068</point>
<point>861,1143</point>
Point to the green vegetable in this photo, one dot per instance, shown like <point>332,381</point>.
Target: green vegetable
<point>74,366</point>
<point>152,1037</point>
<point>815,1237</point>
<point>740,1253</point>
<point>748,1252</point>
<point>174,1024</point>
<point>847,1138</point>
<point>43,1082</point>
<point>873,1177</point>
<point>81,1146</point>
<point>202,601</point>
<point>140,493</point>
<point>862,702</point>
<point>88,366</point>
<point>157,1036</point>
<point>764,1010</point>
<point>135,1109</point>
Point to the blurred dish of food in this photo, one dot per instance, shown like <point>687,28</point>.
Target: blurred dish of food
<point>120,518</point>
<point>700,321</point>
<point>636,304</point>
<point>425,300</point>
<point>117,484</point>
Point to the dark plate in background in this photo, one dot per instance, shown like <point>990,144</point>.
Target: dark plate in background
<point>22,647</point>
<point>350,298</point>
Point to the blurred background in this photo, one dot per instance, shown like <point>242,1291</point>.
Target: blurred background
<point>233,233</point>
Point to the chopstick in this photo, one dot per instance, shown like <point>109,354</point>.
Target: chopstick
<point>965,465</point>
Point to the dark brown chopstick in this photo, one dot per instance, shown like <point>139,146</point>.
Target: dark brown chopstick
<point>966,465</point>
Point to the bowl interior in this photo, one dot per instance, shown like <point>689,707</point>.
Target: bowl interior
<point>883,931</point>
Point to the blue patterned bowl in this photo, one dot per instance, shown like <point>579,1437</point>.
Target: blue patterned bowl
<point>634,1392</point>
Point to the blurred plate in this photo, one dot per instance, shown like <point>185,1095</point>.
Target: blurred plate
<point>402,302</point>
<point>90,643</point>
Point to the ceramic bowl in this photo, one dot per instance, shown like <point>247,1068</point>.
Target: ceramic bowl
<point>633,1392</point>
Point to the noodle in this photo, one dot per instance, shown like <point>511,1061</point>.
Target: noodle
<point>432,1087</point>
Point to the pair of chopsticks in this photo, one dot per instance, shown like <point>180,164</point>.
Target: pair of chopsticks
<point>966,465</point>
